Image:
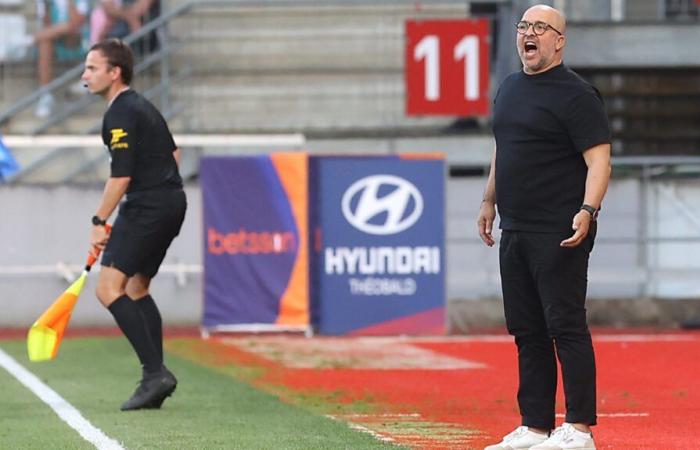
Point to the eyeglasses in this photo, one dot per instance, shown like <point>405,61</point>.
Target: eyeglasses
<point>539,28</point>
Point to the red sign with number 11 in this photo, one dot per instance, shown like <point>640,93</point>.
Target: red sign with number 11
<point>447,67</point>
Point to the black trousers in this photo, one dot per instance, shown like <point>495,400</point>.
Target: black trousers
<point>544,293</point>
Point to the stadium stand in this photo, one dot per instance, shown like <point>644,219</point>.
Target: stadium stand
<point>337,71</point>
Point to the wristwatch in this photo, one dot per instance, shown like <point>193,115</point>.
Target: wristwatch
<point>590,210</point>
<point>97,221</point>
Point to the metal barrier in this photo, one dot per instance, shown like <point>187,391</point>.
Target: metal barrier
<point>193,144</point>
<point>648,237</point>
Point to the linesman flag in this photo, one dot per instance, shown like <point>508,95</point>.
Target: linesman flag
<point>45,335</point>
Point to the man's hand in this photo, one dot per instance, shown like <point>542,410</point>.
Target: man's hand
<point>98,239</point>
<point>581,224</point>
<point>484,223</point>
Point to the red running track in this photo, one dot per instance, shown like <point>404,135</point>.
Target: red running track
<point>648,386</point>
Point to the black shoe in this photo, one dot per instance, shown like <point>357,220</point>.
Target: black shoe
<point>158,401</point>
<point>152,391</point>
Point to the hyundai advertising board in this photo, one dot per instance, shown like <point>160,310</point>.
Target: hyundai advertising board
<point>378,234</point>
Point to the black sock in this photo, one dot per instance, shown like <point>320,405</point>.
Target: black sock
<point>154,323</point>
<point>133,325</point>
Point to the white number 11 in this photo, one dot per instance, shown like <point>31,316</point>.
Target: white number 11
<point>468,49</point>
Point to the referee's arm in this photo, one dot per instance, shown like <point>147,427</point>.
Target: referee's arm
<point>177,154</point>
<point>115,188</point>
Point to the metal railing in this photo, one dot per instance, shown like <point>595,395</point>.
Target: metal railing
<point>157,25</point>
<point>650,228</point>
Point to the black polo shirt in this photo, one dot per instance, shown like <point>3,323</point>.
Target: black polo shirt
<point>542,124</point>
<point>140,144</point>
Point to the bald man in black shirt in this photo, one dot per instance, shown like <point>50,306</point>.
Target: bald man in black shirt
<point>144,167</point>
<point>548,177</point>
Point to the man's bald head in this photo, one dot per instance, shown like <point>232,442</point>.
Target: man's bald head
<point>547,14</point>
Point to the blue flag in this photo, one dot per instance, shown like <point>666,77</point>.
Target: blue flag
<point>8,163</point>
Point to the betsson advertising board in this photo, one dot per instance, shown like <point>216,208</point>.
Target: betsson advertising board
<point>255,242</point>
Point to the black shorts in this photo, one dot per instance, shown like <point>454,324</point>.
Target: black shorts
<point>144,228</point>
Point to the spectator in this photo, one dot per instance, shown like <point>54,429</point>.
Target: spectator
<point>118,18</point>
<point>63,30</point>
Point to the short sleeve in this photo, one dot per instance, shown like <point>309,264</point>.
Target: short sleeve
<point>121,132</point>
<point>587,121</point>
<point>173,145</point>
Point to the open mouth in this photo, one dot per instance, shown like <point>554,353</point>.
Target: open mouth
<point>530,47</point>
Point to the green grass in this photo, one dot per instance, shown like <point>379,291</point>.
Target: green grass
<point>27,423</point>
<point>209,410</point>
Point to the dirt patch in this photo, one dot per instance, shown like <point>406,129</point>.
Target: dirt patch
<point>379,353</point>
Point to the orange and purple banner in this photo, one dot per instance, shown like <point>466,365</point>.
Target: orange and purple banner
<point>255,241</point>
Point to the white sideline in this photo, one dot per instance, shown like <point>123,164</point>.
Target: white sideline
<point>65,410</point>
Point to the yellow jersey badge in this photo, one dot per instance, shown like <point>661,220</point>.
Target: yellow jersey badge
<point>117,135</point>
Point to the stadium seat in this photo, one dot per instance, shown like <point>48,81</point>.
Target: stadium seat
<point>14,28</point>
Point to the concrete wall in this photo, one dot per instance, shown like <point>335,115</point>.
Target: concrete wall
<point>42,227</point>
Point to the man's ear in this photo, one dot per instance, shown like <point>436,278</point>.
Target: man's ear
<point>561,42</point>
<point>116,73</point>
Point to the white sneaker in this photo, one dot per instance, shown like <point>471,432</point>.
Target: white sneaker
<point>567,437</point>
<point>44,106</point>
<point>521,438</point>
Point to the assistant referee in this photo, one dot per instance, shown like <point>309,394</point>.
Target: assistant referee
<point>144,167</point>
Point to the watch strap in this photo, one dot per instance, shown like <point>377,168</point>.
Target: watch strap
<point>590,210</point>
<point>97,221</point>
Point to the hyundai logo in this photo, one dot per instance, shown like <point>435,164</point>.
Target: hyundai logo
<point>382,204</point>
